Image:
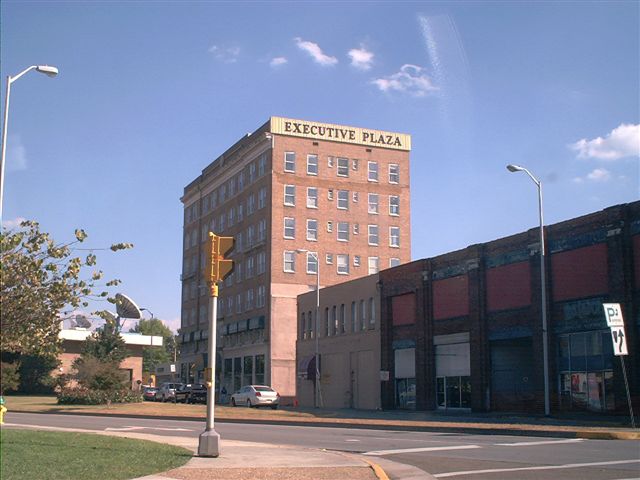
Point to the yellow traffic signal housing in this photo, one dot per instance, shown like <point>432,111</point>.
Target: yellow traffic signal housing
<point>208,377</point>
<point>219,267</point>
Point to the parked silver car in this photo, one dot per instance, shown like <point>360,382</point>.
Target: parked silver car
<point>167,392</point>
<point>256,396</point>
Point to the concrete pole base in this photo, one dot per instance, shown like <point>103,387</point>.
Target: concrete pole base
<point>209,444</point>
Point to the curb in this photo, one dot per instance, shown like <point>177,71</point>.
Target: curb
<point>609,435</point>
<point>378,470</point>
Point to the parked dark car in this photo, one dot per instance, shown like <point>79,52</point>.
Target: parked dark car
<point>191,393</point>
<point>149,393</point>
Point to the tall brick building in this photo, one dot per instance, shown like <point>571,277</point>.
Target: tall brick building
<point>339,192</point>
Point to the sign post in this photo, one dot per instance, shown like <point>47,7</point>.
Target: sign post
<point>218,268</point>
<point>615,321</point>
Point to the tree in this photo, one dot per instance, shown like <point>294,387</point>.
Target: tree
<point>106,345</point>
<point>153,356</point>
<point>39,278</point>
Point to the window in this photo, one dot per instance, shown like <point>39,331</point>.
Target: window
<point>312,197</point>
<point>373,234</point>
<point>251,235</point>
<point>289,227</point>
<point>232,187</point>
<point>248,301</point>
<point>230,305</point>
<point>312,262</point>
<point>240,213</point>
<point>262,230</point>
<point>231,217</point>
<point>252,172</point>
<point>290,195</point>
<point>261,296</point>
<point>394,205</point>
<point>363,316</point>
<point>343,199</point>
<point>355,197</point>
<point>290,162</point>
<point>334,320</point>
<point>262,263</point>
<point>374,265</point>
<point>221,220</point>
<point>312,165</point>
<point>343,167</point>
<point>327,324</point>
<point>223,193</point>
<point>394,236</point>
<point>373,172</point>
<point>251,204</point>
<point>330,194</point>
<point>240,181</point>
<point>237,271</point>
<point>354,317</point>
<point>329,226</point>
<point>289,261</point>
<point>312,230</point>
<point>343,231</point>
<point>249,269</point>
<point>356,228</point>
<point>262,163</point>
<point>329,258</point>
<point>394,173</point>
<point>239,303</point>
<point>356,260</point>
<point>342,318</point>
<point>373,203</point>
<point>343,264</point>
<point>262,198</point>
<point>394,262</point>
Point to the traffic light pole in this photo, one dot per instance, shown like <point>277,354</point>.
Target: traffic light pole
<point>209,444</point>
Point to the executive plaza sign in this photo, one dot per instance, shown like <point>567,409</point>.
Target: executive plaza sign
<point>340,133</point>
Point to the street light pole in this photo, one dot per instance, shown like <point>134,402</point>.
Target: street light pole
<point>47,70</point>
<point>317,398</point>
<point>543,286</point>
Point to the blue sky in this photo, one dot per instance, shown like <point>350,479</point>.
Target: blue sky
<point>150,92</point>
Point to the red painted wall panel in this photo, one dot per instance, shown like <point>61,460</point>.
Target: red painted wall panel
<point>451,297</point>
<point>404,309</point>
<point>578,273</point>
<point>636,260</point>
<point>509,286</point>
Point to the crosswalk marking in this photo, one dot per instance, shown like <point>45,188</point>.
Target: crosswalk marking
<point>423,449</point>
<point>543,442</point>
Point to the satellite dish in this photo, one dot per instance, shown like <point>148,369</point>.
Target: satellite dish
<point>109,316</point>
<point>126,307</point>
<point>82,322</point>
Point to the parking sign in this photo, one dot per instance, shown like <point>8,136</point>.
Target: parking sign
<point>613,314</point>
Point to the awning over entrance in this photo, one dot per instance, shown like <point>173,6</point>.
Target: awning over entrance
<point>307,367</point>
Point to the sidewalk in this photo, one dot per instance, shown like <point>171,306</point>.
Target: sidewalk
<point>259,461</point>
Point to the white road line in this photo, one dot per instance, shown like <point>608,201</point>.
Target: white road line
<point>351,440</point>
<point>423,449</point>
<point>544,442</point>
<point>542,467</point>
<point>130,428</point>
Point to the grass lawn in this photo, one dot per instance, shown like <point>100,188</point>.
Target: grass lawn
<point>35,455</point>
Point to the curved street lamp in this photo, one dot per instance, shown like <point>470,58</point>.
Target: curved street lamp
<point>49,71</point>
<point>543,287</point>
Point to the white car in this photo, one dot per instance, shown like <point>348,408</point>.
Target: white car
<point>256,396</point>
<point>167,392</point>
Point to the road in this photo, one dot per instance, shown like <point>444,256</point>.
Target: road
<point>444,455</point>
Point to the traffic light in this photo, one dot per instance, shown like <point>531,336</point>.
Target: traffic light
<point>219,266</point>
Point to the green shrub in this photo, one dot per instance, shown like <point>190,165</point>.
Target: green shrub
<point>86,396</point>
<point>9,377</point>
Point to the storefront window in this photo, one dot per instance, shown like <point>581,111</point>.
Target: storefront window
<point>585,362</point>
<point>247,373</point>
<point>453,392</point>
<point>259,369</point>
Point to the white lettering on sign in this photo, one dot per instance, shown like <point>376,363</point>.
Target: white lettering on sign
<point>613,314</point>
<point>619,341</point>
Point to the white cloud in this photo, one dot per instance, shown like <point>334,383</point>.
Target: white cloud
<point>278,61</point>
<point>16,154</point>
<point>621,142</point>
<point>409,79</point>
<point>11,224</point>
<point>596,175</point>
<point>316,53</point>
<point>361,58</point>
<point>225,54</point>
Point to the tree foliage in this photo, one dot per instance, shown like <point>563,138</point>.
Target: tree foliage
<point>153,356</point>
<point>39,278</point>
